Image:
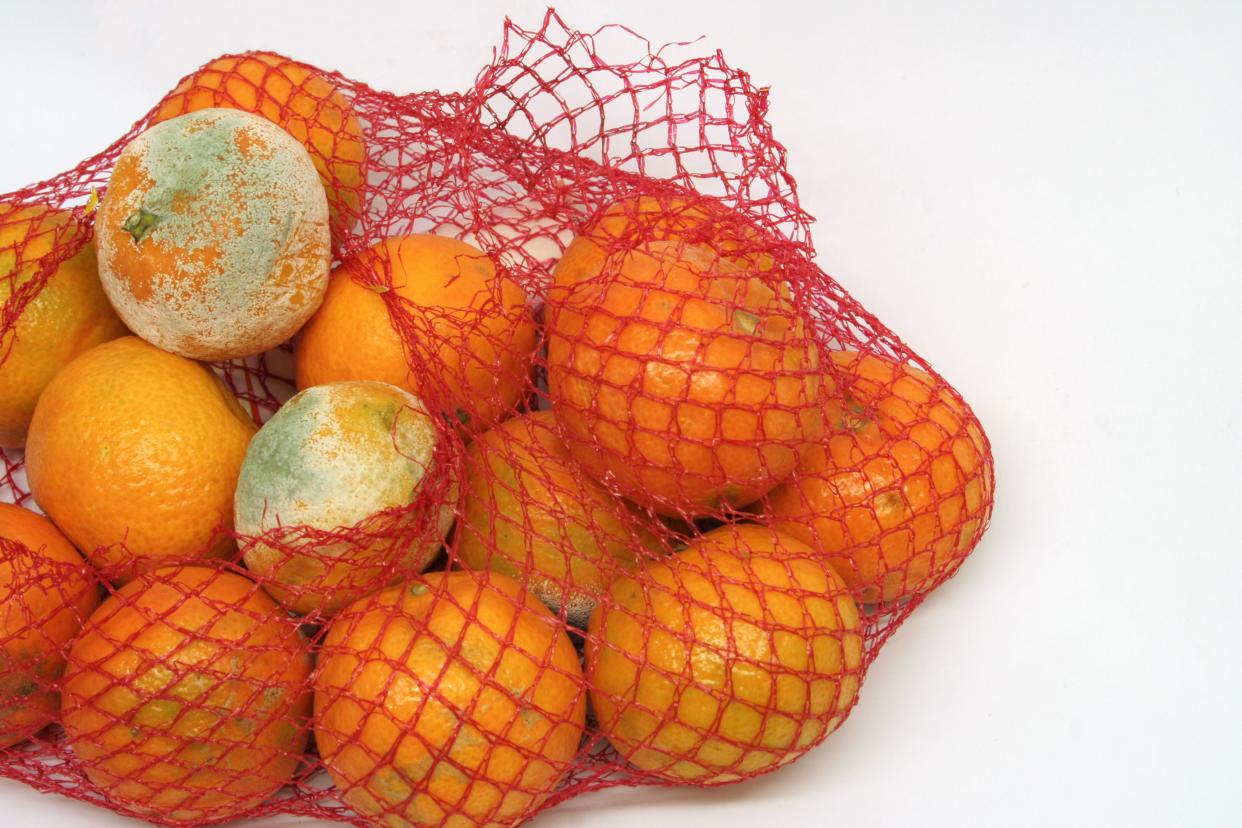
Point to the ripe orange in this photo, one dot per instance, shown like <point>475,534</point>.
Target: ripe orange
<point>636,222</point>
<point>213,235</point>
<point>315,480</point>
<point>531,513</point>
<point>44,326</point>
<point>468,333</point>
<point>46,592</point>
<point>692,385</point>
<point>900,490</point>
<point>134,453</point>
<point>188,694</point>
<point>455,700</point>
<point>732,659</point>
<point>303,103</point>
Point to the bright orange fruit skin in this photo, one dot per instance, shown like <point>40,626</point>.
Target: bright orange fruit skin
<point>303,103</point>
<point>470,333</point>
<point>731,659</point>
<point>187,695</point>
<point>454,700</point>
<point>134,453</point>
<point>69,314</point>
<point>690,384</point>
<point>898,493</point>
<point>637,221</point>
<point>46,592</point>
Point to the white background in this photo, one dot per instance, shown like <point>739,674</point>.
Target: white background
<point>1045,200</point>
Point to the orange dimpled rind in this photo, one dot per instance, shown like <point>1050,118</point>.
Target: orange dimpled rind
<point>900,490</point>
<point>187,696</point>
<point>729,660</point>
<point>455,697</point>
<point>429,314</point>
<point>135,454</point>
<point>636,222</point>
<point>52,307</point>
<point>47,591</point>
<point>690,384</point>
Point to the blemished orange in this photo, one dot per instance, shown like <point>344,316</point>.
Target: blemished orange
<point>46,592</point>
<point>469,333</point>
<point>188,695</point>
<point>213,235</point>
<point>66,315</point>
<point>454,700</point>
<point>732,659</point>
<point>529,512</point>
<point>899,491</point>
<point>134,453</point>
<point>302,102</point>
<point>690,384</point>
<point>638,221</point>
<point>316,480</point>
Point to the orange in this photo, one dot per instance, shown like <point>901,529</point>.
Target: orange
<point>188,695</point>
<point>134,453</point>
<point>691,385</point>
<point>44,323</point>
<point>531,513</point>
<point>428,314</point>
<point>454,700</point>
<point>900,490</point>
<point>316,479</point>
<point>46,592</point>
<point>730,660</point>
<point>635,222</point>
<point>304,103</point>
<point>213,235</point>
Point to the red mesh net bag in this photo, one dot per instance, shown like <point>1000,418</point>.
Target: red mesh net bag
<point>593,478</point>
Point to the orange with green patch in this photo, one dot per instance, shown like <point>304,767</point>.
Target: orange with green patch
<point>303,103</point>
<point>213,235</point>
<point>46,592</point>
<point>691,384</point>
<point>454,700</point>
<point>316,479</point>
<point>429,314</point>
<point>187,695</point>
<point>61,318</point>
<point>900,490</point>
<point>731,659</point>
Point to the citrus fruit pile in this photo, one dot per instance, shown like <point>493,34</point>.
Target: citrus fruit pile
<point>431,459</point>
